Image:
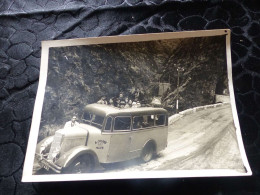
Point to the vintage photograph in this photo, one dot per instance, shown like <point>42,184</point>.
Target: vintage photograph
<point>114,107</point>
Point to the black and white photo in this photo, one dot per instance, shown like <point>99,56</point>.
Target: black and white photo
<point>136,106</point>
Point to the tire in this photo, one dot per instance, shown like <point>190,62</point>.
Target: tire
<point>148,152</point>
<point>82,164</point>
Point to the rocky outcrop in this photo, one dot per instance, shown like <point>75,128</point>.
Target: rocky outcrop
<point>81,75</point>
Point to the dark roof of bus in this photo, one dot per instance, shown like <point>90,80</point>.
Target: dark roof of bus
<point>105,110</point>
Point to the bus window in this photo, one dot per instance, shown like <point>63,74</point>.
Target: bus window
<point>143,122</point>
<point>150,120</point>
<point>108,124</point>
<point>86,117</point>
<point>93,120</point>
<point>122,123</point>
<point>160,120</point>
<point>138,120</point>
<point>97,121</point>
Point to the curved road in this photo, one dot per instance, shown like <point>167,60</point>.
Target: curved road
<point>205,139</point>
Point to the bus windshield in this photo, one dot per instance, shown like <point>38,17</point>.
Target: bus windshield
<point>93,119</point>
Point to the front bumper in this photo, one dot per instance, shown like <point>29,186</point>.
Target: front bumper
<point>46,164</point>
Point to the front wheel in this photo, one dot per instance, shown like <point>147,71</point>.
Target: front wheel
<point>148,152</point>
<point>82,164</point>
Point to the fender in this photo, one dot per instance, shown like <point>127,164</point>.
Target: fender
<point>66,159</point>
<point>152,141</point>
<point>45,143</point>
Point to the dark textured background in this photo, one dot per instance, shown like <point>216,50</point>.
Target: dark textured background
<point>23,24</point>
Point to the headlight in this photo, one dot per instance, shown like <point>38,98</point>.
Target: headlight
<point>44,145</point>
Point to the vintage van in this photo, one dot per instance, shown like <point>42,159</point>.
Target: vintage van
<point>104,134</point>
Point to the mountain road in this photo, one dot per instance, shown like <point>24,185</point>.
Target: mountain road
<point>205,139</point>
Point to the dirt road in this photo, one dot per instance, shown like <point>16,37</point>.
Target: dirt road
<point>205,139</point>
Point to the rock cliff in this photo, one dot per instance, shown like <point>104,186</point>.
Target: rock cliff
<point>81,75</point>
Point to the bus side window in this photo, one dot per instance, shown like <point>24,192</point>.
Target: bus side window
<point>122,123</point>
<point>86,117</point>
<point>141,122</point>
<point>150,120</point>
<point>108,124</point>
<point>138,120</point>
<point>160,120</point>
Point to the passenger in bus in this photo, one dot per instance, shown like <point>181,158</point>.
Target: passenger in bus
<point>138,120</point>
<point>111,102</point>
<point>134,104</point>
<point>102,100</point>
<point>121,96</point>
<point>145,122</point>
<point>128,103</point>
<point>117,100</point>
<point>122,104</point>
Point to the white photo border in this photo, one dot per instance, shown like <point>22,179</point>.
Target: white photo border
<point>29,159</point>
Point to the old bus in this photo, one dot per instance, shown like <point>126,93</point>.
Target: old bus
<point>105,134</point>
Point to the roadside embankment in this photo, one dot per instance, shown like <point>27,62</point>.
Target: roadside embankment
<point>176,117</point>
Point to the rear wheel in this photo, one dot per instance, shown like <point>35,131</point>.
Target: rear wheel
<point>148,152</point>
<point>82,164</point>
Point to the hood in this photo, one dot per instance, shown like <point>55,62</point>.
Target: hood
<point>70,137</point>
<point>90,128</point>
<point>65,139</point>
<point>75,131</point>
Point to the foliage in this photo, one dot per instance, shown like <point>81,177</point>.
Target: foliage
<point>80,75</point>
